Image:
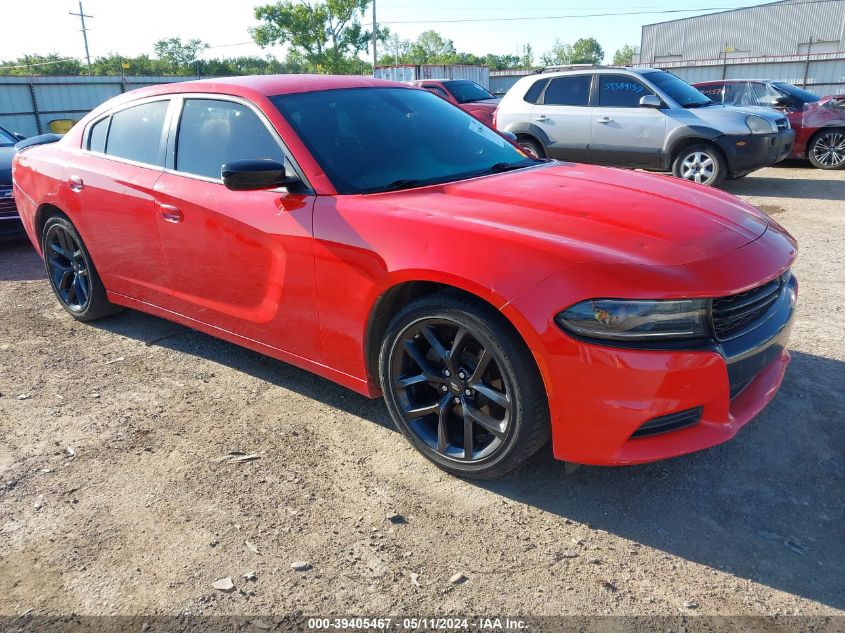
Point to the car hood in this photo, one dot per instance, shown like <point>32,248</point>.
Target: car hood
<point>6,154</point>
<point>593,214</point>
<point>715,113</point>
<point>488,105</point>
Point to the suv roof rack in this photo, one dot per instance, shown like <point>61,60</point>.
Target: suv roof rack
<point>556,68</point>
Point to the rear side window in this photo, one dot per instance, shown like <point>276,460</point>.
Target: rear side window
<point>135,133</point>
<point>97,136</point>
<point>620,91</point>
<point>438,91</point>
<point>212,133</point>
<point>535,90</point>
<point>571,91</point>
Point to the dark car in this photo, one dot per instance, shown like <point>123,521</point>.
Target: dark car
<point>10,222</point>
<point>467,95</point>
<point>819,122</point>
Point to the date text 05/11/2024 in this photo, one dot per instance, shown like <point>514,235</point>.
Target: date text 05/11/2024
<point>420,624</point>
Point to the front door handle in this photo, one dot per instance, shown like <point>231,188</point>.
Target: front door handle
<point>75,183</point>
<point>542,118</point>
<point>605,119</point>
<point>171,213</point>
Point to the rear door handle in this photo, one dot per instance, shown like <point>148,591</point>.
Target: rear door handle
<point>75,183</point>
<point>171,213</point>
<point>605,119</point>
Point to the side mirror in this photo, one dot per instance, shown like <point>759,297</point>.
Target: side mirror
<point>255,174</point>
<point>780,102</point>
<point>509,135</point>
<point>650,101</point>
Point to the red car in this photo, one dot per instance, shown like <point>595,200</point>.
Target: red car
<point>819,122</point>
<point>383,239</point>
<point>466,94</point>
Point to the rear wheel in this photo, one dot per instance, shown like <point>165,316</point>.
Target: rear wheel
<point>531,147</point>
<point>701,163</point>
<point>827,149</point>
<point>72,275</point>
<point>462,387</point>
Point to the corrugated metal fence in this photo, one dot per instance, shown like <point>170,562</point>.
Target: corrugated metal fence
<point>28,105</point>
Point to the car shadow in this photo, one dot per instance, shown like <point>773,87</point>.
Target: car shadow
<point>20,262</point>
<point>766,506</point>
<point>818,185</point>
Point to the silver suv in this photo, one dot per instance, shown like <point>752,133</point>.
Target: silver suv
<point>641,117</point>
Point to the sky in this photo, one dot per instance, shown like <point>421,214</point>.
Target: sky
<point>131,27</point>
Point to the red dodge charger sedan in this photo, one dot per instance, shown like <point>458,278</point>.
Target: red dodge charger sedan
<point>378,236</point>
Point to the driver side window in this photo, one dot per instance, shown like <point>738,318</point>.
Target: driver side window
<point>214,132</point>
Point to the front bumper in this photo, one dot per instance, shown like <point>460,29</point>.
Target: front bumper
<point>601,395</point>
<point>748,152</point>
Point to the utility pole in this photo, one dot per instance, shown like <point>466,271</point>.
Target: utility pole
<point>81,15</point>
<point>375,37</point>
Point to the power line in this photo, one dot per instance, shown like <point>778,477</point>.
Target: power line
<point>590,15</point>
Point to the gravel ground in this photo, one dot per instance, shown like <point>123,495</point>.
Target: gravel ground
<point>113,499</point>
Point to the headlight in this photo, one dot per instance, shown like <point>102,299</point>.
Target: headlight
<point>759,125</point>
<point>635,320</point>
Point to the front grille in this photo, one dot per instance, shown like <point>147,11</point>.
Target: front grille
<point>671,422</point>
<point>735,313</point>
<point>7,203</point>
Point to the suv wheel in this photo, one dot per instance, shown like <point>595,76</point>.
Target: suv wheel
<point>700,163</point>
<point>462,387</point>
<point>827,149</point>
<point>531,147</point>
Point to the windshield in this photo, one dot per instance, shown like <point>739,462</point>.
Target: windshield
<point>804,96</point>
<point>380,139</point>
<point>680,91</point>
<point>6,138</point>
<point>466,91</point>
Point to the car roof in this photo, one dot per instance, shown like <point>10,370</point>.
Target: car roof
<point>269,85</point>
<point>579,70</point>
<point>736,81</point>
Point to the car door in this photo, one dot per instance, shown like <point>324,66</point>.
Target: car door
<point>562,112</point>
<point>112,181</point>
<point>623,131</point>
<point>242,261</point>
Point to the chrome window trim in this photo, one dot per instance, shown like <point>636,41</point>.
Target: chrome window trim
<point>174,114</point>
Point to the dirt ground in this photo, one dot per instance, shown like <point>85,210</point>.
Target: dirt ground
<point>113,499</point>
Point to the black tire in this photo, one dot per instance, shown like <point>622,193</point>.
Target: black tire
<point>71,272</point>
<point>493,383</point>
<point>702,163</point>
<point>532,147</point>
<point>826,150</point>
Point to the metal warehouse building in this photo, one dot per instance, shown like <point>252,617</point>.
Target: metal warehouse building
<point>799,41</point>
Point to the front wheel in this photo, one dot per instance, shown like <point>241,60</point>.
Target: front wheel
<point>462,387</point>
<point>71,272</point>
<point>700,163</point>
<point>827,149</point>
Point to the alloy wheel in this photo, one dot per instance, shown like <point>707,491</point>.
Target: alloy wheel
<point>67,268</point>
<point>829,149</point>
<point>698,167</point>
<point>451,390</point>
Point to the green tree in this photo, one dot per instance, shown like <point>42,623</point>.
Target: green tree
<point>625,55</point>
<point>395,50</point>
<point>587,51</point>
<point>432,48</point>
<point>559,55</point>
<point>325,36</point>
<point>52,64</point>
<point>178,56</point>
<point>527,59</point>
